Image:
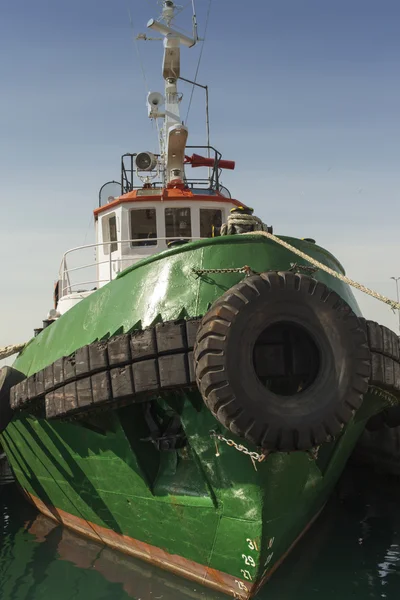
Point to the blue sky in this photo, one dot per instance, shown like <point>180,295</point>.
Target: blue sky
<point>304,95</point>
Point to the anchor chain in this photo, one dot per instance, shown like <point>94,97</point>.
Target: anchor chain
<point>245,269</point>
<point>384,395</point>
<point>313,453</point>
<point>296,268</point>
<point>255,456</point>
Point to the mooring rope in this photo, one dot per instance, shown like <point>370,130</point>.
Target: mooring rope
<point>7,351</point>
<point>261,229</point>
<point>358,286</point>
<point>245,220</point>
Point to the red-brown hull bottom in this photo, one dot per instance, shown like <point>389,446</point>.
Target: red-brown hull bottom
<point>206,576</point>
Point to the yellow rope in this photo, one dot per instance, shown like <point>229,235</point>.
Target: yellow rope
<point>316,263</point>
<point>10,350</point>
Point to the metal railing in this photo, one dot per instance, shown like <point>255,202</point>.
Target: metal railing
<point>129,175</point>
<point>66,287</point>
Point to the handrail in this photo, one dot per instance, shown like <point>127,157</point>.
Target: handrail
<point>128,171</point>
<point>86,283</point>
<point>171,237</point>
<point>64,271</point>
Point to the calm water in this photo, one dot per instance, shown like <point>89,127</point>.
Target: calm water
<point>351,553</point>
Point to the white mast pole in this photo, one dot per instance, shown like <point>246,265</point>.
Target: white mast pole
<point>175,133</point>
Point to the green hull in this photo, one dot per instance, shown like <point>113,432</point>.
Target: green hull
<point>204,511</point>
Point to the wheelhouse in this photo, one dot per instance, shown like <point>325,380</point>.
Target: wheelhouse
<point>140,222</point>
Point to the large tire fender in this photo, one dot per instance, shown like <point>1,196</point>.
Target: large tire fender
<point>227,373</point>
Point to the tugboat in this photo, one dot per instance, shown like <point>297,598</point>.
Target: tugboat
<point>193,400</point>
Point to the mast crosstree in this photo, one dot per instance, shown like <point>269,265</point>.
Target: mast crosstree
<point>174,132</point>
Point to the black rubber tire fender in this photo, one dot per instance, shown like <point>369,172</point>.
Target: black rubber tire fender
<point>385,371</point>
<point>390,418</point>
<point>226,375</point>
<point>379,449</point>
<point>8,377</point>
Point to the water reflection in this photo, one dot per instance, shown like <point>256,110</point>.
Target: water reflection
<point>40,560</point>
<point>353,552</point>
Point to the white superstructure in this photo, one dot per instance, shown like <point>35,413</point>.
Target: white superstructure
<point>162,208</point>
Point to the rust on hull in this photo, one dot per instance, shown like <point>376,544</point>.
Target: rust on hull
<point>176,564</point>
<point>212,578</point>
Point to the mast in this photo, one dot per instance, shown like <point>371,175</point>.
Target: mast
<point>174,133</point>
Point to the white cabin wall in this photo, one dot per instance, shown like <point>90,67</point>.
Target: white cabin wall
<point>125,235</point>
<point>126,255</point>
<point>109,262</point>
<point>97,241</point>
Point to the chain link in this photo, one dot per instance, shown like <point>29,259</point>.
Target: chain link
<point>313,453</point>
<point>384,395</point>
<point>296,268</point>
<point>245,269</point>
<point>253,455</point>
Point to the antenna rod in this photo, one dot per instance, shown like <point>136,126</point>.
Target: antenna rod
<point>205,87</point>
<point>194,19</point>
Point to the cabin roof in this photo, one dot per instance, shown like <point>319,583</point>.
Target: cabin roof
<point>171,193</point>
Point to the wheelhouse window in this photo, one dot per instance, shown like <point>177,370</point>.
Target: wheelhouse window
<point>178,223</point>
<point>210,222</point>
<point>112,224</point>
<point>143,226</point>
<point>109,225</point>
